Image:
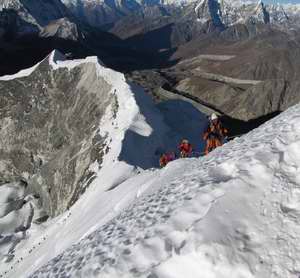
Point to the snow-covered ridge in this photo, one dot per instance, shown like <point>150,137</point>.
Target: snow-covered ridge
<point>56,60</point>
<point>129,129</point>
<point>20,74</point>
<point>231,214</point>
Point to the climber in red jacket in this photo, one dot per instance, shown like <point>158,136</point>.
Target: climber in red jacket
<point>185,149</point>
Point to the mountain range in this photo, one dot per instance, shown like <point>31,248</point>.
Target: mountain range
<point>170,41</point>
<point>105,14</point>
<point>95,92</point>
<point>223,13</point>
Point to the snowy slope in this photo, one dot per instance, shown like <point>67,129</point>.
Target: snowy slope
<point>135,132</point>
<point>231,214</point>
<point>17,211</point>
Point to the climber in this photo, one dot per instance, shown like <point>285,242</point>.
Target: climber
<point>171,156</point>
<point>215,134</point>
<point>185,148</point>
<point>165,158</point>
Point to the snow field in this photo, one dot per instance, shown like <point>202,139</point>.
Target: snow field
<point>16,215</point>
<point>230,214</point>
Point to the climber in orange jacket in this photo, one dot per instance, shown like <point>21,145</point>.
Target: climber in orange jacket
<point>215,134</point>
<point>185,149</point>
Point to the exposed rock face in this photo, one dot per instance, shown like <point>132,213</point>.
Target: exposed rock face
<point>105,13</point>
<point>98,13</point>
<point>238,11</point>
<point>38,12</point>
<point>141,21</point>
<point>45,18</point>
<point>248,72</point>
<point>62,28</point>
<point>12,25</point>
<point>246,104</point>
<point>210,10</point>
<point>255,81</point>
<point>49,130</point>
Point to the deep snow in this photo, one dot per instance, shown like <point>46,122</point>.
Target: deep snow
<point>233,213</point>
<point>135,136</point>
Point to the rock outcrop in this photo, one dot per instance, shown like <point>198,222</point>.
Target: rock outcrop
<point>50,129</point>
<point>65,123</point>
<point>62,28</point>
<point>38,12</point>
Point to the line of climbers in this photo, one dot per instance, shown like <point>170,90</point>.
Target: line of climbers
<point>215,136</point>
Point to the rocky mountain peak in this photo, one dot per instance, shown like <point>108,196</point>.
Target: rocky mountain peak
<point>232,12</point>
<point>221,12</point>
<point>37,12</point>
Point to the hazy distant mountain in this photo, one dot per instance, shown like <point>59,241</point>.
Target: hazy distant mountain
<point>101,13</point>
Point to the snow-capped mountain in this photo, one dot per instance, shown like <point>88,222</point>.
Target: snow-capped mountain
<point>233,12</point>
<point>98,13</point>
<point>30,30</point>
<point>221,13</point>
<point>37,12</point>
<point>32,17</point>
<point>230,214</point>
